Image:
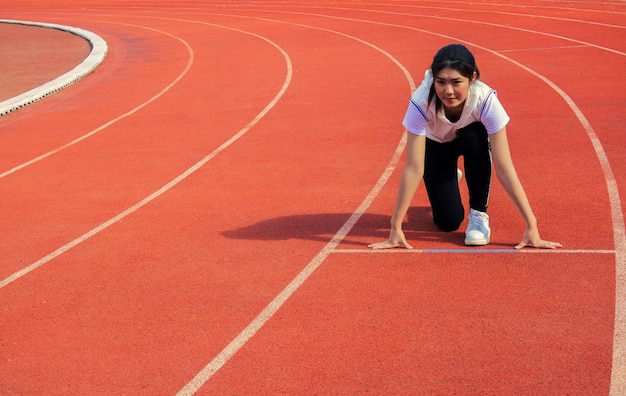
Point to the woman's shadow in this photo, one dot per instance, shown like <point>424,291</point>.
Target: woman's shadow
<point>322,227</point>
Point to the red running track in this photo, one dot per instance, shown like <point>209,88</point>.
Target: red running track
<point>193,215</point>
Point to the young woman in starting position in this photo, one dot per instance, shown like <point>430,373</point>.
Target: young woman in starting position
<point>454,114</point>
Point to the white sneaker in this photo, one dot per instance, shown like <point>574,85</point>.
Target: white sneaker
<point>478,231</point>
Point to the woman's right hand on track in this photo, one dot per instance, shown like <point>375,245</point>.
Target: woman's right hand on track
<point>396,239</point>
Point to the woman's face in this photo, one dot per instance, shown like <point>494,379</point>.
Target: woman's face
<point>452,88</point>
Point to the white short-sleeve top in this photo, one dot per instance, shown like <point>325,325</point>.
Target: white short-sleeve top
<point>482,105</point>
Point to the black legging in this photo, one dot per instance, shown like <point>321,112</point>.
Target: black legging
<point>440,175</point>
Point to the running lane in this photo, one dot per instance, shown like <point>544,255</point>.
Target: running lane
<point>502,323</point>
<point>144,305</point>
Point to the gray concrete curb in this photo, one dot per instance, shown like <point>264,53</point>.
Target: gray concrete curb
<point>96,56</point>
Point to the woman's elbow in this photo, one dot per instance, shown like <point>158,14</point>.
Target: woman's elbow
<point>415,171</point>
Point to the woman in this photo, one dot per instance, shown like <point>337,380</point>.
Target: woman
<point>451,114</point>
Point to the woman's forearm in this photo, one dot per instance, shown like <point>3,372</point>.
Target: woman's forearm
<point>505,170</point>
<point>408,185</point>
<point>513,187</point>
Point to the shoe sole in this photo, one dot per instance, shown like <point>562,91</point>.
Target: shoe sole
<point>477,242</point>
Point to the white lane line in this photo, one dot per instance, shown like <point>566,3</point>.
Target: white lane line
<point>121,117</point>
<point>531,16</point>
<point>618,373</point>
<point>268,312</point>
<point>464,20</point>
<point>96,57</point>
<point>169,185</point>
<point>542,48</point>
<point>456,10</point>
<point>550,6</point>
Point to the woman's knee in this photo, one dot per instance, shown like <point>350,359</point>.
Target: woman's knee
<point>448,222</point>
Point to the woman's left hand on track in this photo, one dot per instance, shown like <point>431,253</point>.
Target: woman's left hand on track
<point>532,239</point>
<point>396,239</point>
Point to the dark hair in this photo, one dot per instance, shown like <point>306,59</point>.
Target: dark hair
<point>453,56</point>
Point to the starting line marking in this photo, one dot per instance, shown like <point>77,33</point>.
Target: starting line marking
<point>470,250</point>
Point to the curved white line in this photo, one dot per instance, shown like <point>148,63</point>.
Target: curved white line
<point>170,184</point>
<point>453,20</point>
<point>96,56</point>
<point>268,312</point>
<point>459,10</point>
<point>555,8</point>
<point>314,4</point>
<point>113,121</point>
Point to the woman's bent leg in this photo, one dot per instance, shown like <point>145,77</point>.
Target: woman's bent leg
<point>442,186</point>
<point>474,146</point>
